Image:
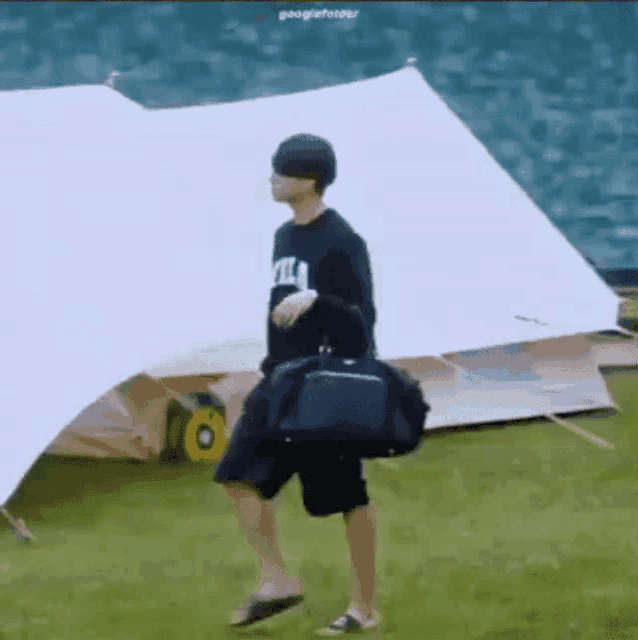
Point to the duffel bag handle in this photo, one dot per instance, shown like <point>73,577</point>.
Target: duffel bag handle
<point>325,345</point>
<point>325,351</point>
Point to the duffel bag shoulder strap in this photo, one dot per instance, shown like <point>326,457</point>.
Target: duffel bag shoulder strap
<point>286,368</point>
<point>404,375</point>
<point>284,385</point>
<point>406,387</point>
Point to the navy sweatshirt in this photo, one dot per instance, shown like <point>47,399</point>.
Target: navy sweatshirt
<point>328,256</point>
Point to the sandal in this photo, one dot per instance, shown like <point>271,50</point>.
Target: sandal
<point>255,608</point>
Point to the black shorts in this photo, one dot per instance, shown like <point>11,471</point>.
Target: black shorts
<point>333,481</point>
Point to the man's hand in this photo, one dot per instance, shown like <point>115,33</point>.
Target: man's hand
<point>286,313</point>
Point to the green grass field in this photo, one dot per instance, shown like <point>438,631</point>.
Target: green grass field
<point>522,532</point>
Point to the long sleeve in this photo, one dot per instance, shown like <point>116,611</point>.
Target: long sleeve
<point>350,278</point>
<point>343,323</point>
<point>363,275</point>
<point>346,313</point>
<point>330,258</point>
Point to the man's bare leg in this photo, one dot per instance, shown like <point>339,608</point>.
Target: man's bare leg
<point>361,533</point>
<point>257,520</point>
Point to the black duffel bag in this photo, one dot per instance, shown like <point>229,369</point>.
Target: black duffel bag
<point>362,405</point>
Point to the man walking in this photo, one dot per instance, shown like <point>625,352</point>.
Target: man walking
<point>322,284</point>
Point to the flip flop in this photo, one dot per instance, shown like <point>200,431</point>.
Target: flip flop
<point>257,609</point>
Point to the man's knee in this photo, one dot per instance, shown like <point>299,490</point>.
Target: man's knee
<point>251,507</point>
<point>367,509</point>
<point>239,490</point>
<point>246,494</point>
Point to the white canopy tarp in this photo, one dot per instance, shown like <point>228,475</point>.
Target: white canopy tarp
<point>554,376</point>
<point>132,237</point>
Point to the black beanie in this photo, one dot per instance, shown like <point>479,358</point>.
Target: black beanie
<point>306,156</point>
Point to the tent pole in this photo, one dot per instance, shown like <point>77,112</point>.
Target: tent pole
<point>598,441</point>
<point>448,362</point>
<point>18,526</point>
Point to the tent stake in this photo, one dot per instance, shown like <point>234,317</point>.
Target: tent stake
<point>599,442</point>
<point>18,527</point>
<point>448,362</point>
